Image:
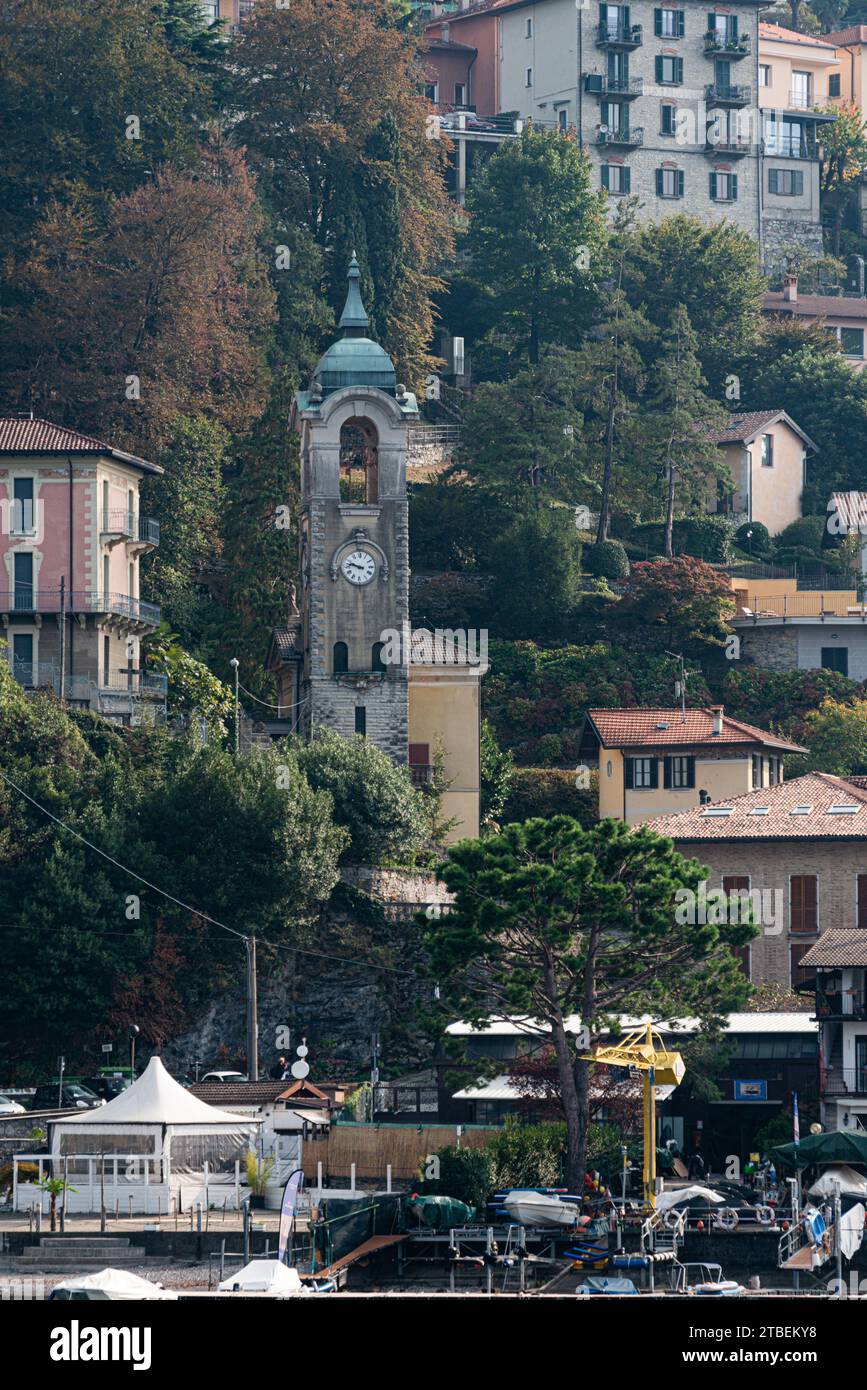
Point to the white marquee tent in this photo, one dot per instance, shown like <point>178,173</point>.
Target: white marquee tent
<point>153,1143</point>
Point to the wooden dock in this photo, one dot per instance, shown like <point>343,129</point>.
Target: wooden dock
<point>368,1247</point>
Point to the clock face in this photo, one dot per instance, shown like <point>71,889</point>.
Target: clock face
<point>359,567</point>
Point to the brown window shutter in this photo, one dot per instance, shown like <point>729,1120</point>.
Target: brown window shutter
<point>862,900</point>
<point>419,755</point>
<point>736,883</point>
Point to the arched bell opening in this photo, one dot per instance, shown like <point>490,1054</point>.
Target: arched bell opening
<point>359,461</point>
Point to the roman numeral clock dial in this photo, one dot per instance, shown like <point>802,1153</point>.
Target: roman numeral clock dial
<point>359,567</point>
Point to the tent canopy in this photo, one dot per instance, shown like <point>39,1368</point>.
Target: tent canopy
<point>838,1146</point>
<point>263,1276</point>
<point>156,1099</point>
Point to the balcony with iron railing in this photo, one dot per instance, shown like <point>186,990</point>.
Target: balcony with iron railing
<point>144,685</point>
<point>618,35</point>
<point>722,94</point>
<point>420,774</point>
<point>845,1081</point>
<point>849,1004</point>
<point>718,45</point>
<point>25,599</point>
<point>732,146</point>
<point>814,604</point>
<point>624,88</point>
<point>141,530</point>
<point>625,137</point>
<point>800,100</point>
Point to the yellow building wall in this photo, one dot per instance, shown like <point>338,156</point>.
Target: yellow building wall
<point>721,778</point>
<point>776,491</point>
<point>444,710</point>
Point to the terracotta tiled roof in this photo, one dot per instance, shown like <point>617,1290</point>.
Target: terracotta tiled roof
<point>844,306</point>
<point>856,33</point>
<point>640,728</point>
<point>777,31</point>
<point>838,947</point>
<point>249,1093</point>
<point>741,429</point>
<point>448,45</point>
<point>770,813</point>
<point>26,436</point>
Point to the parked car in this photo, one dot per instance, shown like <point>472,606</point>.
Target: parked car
<point>107,1087</point>
<point>71,1096</point>
<point>8,1106</point>
<point>224,1076</point>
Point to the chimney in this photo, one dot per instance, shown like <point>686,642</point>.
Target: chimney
<point>717,717</point>
<point>790,289</point>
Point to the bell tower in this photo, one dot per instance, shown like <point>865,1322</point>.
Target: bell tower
<point>354,538</point>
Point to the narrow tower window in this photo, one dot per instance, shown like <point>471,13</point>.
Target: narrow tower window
<point>340,660</point>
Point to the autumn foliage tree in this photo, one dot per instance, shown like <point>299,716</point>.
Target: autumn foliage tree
<point>331,111</point>
<point>164,312</point>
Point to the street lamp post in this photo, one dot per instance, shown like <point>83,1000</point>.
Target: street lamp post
<point>234,663</point>
<point>134,1031</point>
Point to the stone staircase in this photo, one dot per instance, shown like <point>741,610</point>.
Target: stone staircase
<point>74,1254</point>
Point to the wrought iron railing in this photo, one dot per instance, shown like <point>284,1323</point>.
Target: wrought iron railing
<point>25,598</point>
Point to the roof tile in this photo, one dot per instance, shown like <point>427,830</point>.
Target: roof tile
<point>32,436</point>
<point>639,728</point>
<point>817,790</point>
<point>838,947</point>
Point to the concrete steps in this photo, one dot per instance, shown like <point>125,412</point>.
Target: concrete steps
<point>69,1254</point>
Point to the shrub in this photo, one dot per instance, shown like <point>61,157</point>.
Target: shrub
<point>464,1174</point>
<point>527,1155</point>
<point>606,560</point>
<point>757,542</point>
<point>550,791</point>
<point>801,540</point>
<point>704,537</point>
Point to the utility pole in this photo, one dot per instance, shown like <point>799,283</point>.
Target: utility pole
<point>680,686</point>
<point>62,691</point>
<point>235,664</point>
<point>61,1067</point>
<point>252,1012</point>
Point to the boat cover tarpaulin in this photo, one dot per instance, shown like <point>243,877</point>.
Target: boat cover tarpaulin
<point>850,1183</point>
<point>838,1146</point>
<point>440,1213</point>
<point>111,1285</point>
<point>675,1196</point>
<point>852,1230</point>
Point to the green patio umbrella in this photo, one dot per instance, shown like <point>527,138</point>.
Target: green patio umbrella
<point>839,1146</point>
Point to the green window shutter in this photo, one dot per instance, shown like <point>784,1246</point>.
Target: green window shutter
<point>772,180</point>
<point>798,182</point>
<point>627,179</point>
<point>713,186</point>
<point>680,21</point>
<point>690,771</point>
<point>733,27</point>
<point>628,770</point>
<point>654,773</point>
<point>657,23</point>
<point>666,773</point>
<point>678,69</point>
<point>659,183</point>
<point>658,65</point>
<point>605,180</point>
<point>711,20</point>
<point>624,17</point>
<point>680,183</point>
<point>603,112</point>
<point>733,184</point>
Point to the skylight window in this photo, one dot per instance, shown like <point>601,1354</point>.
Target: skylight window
<point>718,810</point>
<point>800,811</point>
<point>843,808</point>
<point>760,811</point>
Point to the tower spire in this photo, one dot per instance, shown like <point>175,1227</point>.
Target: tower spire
<point>354,321</point>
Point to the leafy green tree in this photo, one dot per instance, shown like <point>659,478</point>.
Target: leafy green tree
<point>612,372</point>
<point>681,420</point>
<point>536,243</point>
<point>819,389</point>
<point>521,438</point>
<point>836,735</point>
<point>844,155</point>
<point>464,1174</point>
<point>192,689</point>
<point>188,501</point>
<point>74,75</point>
<point>373,799</point>
<point>496,769</point>
<point>550,920</point>
<point>453,525</point>
<point>710,269</point>
<point>536,564</point>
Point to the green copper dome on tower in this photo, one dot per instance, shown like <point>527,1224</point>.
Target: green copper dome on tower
<point>355,359</point>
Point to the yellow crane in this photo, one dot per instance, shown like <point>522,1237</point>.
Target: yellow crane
<point>644,1051</point>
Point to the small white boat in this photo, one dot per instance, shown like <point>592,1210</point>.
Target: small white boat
<point>109,1286</point>
<point>541,1209</point>
<point>264,1276</point>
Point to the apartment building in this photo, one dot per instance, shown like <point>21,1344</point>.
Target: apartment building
<point>801,846</point>
<point>839,960</point>
<point>848,82</point>
<point>662,97</point>
<point>71,540</point>
<point>797,73</point>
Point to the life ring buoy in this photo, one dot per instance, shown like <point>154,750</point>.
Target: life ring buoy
<point>726,1219</point>
<point>766,1216</point>
<point>671,1217</point>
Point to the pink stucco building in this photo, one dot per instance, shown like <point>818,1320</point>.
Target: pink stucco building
<point>71,539</point>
